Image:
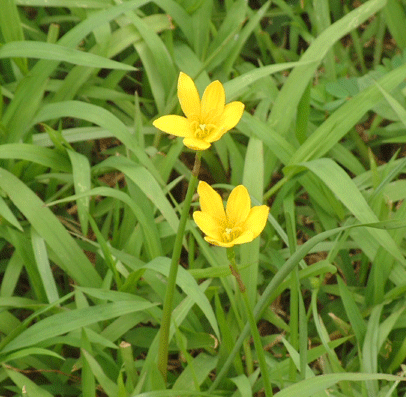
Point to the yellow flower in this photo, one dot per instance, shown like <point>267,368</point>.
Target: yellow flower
<point>207,120</point>
<point>238,224</point>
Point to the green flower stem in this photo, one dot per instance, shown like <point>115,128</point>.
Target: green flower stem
<point>275,188</point>
<point>253,325</point>
<point>246,343</point>
<point>361,146</point>
<point>173,271</point>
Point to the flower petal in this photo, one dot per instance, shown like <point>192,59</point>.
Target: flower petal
<point>175,125</point>
<point>218,242</point>
<point>238,206</point>
<point>215,135</point>
<point>196,144</point>
<point>256,219</point>
<point>232,114</point>
<point>228,120</point>
<point>188,96</point>
<point>207,224</point>
<point>246,237</point>
<point>211,202</point>
<point>213,101</point>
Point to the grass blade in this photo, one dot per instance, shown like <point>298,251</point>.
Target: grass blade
<point>55,52</point>
<point>70,257</point>
<point>67,321</point>
<point>308,387</point>
<point>292,91</point>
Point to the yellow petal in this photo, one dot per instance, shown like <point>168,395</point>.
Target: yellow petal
<point>231,115</point>
<point>256,219</point>
<point>172,124</point>
<point>218,242</point>
<point>246,237</point>
<point>215,135</point>
<point>238,206</point>
<point>228,120</point>
<point>207,224</point>
<point>196,144</point>
<point>211,202</point>
<point>188,96</point>
<point>213,101</point>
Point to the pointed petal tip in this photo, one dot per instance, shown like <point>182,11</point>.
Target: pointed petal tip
<point>204,188</point>
<point>173,124</point>
<point>207,224</point>
<point>213,101</point>
<point>238,205</point>
<point>201,183</point>
<point>188,96</point>
<point>183,77</point>
<point>211,202</point>
<point>232,114</point>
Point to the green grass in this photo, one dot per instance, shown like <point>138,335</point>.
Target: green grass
<point>91,196</point>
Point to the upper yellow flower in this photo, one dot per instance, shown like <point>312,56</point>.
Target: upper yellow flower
<point>207,120</point>
<point>238,224</point>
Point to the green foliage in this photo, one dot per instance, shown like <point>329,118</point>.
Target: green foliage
<point>91,196</point>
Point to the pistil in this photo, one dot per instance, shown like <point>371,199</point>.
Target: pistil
<point>202,130</point>
<point>231,233</point>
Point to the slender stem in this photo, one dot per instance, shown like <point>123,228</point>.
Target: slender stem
<point>271,292</point>
<point>253,325</point>
<point>173,271</point>
<point>275,188</point>
<point>361,147</point>
<point>249,363</point>
<point>294,320</point>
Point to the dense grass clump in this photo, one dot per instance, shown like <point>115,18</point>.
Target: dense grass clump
<point>107,285</point>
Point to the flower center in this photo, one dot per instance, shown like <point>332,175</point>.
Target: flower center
<point>231,234</point>
<point>202,130</point>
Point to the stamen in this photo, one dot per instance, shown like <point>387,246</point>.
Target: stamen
<point>202,130</point>
<point>231,233</point>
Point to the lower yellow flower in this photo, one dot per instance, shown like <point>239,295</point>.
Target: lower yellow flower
<point>237,224</point>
